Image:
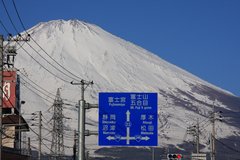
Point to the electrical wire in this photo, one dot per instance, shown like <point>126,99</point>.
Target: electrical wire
<point>39,62</point>
<point>4,27</point>
<point>39,45</point>
<point>225,145</point>
<point>41,87</point>
<point>41,141</point>
<point>47,120</point>
<point>206,124</point>
<point>36,88</point>
<point>21,46</point>
<point>35,93</point>
<point>32,48</point>
<point>43,66</point>
<point>9,16</point>
<point>51,63</point>
<point>34,83</point>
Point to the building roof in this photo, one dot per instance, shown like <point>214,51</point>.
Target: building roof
<point>15,120</point>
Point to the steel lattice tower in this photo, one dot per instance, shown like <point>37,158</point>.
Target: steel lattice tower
<point>57,146</point>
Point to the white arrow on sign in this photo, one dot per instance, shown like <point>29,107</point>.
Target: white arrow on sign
<point>128,115</point>
<point>145,138</point>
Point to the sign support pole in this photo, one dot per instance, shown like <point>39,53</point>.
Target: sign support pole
<point>81,130</point>
<point>81,121</point>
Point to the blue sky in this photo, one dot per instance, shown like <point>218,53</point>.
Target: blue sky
<point>200,36</point>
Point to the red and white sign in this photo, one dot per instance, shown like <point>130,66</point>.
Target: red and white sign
<point>9,89</point>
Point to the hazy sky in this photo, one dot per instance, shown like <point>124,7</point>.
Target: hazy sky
<point>200,36</point>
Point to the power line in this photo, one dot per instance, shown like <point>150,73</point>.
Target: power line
<point>34,49</point>
<point>35,83</point>
<point>41,141</point>
<point>35,93</point>
<point>50,63</point>
<point>40,87</point>
<point>9,16</point>
<point>4,27</point>
<point>43,66</point>
<point>40,46</point>
<point>226,145</point>
<point>38,61</point>
<point>36,89</point>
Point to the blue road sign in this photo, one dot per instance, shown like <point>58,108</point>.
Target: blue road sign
<point>128,119</point>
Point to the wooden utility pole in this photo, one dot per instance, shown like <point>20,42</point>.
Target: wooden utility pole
<point>213,132</point>
<point>74,146</point>
<point>197,136</point>
<point>29,149</point>
<point>211,146</point>
<point>40,135</point>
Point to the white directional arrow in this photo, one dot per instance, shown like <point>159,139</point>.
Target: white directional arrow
<point>110,138</point>
<point>128,126</point>
<point>128,138</point>
<point>145,138</point>
<point>128,115</point>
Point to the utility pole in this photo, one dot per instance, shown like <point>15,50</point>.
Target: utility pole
<point>81,122</point>
<point>1,91</point>
<point>81,129</point>
<point>194,130</point>
<point>29,149</point>
<point>74,146</point>
<point>211,146</point>
<point>197,136</point>
<point>40,135</point>
<point>82,105</point>
<point>18,38</point>
<point>153,154</point>
<point>213,132</point>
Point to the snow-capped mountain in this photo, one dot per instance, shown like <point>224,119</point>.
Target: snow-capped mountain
<point>115,65</point>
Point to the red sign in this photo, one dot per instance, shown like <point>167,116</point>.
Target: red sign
<point>9,89</point>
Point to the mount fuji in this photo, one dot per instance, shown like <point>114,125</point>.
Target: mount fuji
<point>72,50</point>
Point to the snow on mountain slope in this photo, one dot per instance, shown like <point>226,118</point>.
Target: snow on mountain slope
<point>115,65</point>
